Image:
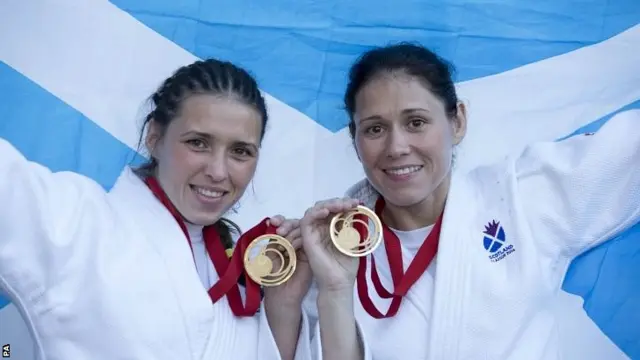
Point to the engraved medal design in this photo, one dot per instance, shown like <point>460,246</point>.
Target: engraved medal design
<point>270,260</point>
<point>347,239</point>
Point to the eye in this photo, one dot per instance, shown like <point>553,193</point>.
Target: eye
<point>417,123</point>
<point>243,152</point>
<point>197,144</point>
<point>373,130</point>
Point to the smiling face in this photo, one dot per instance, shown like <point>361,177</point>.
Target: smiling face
<point>404,137</point>
<point>207,155</point>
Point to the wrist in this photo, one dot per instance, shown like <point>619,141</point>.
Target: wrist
<point>287,308</point>
<point>338,326</point>
<point>281,316</point>
<point>335,298</point>
<point>285,323</point>
<point>275,300</point>
<point>341,290</point>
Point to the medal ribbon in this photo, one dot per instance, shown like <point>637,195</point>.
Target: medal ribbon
<point>402,281</point>
<point>229,269</point>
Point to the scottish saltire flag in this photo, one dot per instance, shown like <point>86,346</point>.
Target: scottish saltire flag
<point>74,76</point>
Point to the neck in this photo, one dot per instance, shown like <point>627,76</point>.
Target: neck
<point>421,214</point>
<point>193,226</point>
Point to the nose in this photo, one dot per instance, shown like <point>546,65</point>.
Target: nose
<point>217,169</point>
<point>397,144</point>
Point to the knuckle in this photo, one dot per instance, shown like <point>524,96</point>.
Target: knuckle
<point>308,212</point>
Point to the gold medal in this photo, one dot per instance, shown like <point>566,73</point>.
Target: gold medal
<point>347,239</point>
<point>270,260</point>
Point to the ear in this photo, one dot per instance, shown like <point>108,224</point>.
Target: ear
<point>459,123</point>
<point>153,136</point>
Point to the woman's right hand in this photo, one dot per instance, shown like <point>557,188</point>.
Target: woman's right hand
<point>332,270</point>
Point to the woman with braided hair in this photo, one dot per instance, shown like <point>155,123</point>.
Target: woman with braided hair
<point>109,275</point>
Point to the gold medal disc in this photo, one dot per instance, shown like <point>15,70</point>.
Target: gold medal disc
<point>270,260</point>
<point>347,239</point>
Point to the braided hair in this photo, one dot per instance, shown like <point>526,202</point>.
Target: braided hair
<point>209,76</point>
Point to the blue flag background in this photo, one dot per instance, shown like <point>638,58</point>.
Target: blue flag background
<point>300,52</point>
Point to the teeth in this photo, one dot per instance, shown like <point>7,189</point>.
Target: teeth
<point>404,171</point>
<point>208,193</point>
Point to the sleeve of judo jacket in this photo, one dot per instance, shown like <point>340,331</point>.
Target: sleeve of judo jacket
<point>39,213</point>
<point>579,192</point>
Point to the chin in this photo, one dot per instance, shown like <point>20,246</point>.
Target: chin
<point>404,198</point>
<point>202,219</point>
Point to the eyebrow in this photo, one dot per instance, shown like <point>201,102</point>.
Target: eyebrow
<point>412,110</point>
<point>247,144</point>
<point>209,137</point>
<point>197,133</point>
<point>405,111</point>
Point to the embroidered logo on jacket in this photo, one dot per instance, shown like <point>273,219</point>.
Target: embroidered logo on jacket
<point>495,241</point>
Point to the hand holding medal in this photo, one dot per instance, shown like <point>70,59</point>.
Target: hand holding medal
<point>357,232</point>
<point>270,260</point>
<point>274,262</point>
<point>333,244</point>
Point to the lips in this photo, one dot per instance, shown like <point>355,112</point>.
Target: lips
<point>403,170</point>
<point>208,192</point>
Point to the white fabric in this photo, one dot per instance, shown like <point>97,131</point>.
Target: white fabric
<point>553,201</point>
<point>110,276</point>
<point>203,263</point>
<point>411,240</point>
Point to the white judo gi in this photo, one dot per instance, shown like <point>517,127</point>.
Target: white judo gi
<point>100,275</point>
<point>490,296</point>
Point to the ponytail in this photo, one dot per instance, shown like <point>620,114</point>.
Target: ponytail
<point>226,228</point>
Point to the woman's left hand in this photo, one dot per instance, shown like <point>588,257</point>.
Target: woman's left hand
<point>292,292</point>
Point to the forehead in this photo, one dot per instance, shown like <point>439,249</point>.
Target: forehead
<point>221,117</point>
<point>390,94</point>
